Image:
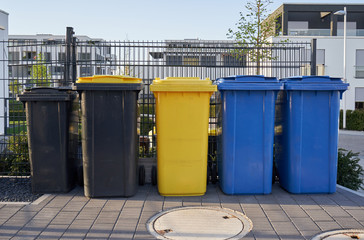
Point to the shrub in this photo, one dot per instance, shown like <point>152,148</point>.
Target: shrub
<point>354,120</point>
<point>349,172</point>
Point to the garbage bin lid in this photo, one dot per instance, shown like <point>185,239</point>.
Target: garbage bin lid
<point>182,84</point>
<point>314,83</point>
<point>109,79</point>
<point>44,94</point>
<point>248,82</point>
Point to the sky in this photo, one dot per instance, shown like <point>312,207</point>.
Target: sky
<point>132,19</point>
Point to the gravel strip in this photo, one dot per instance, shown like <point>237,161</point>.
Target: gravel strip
<point>14,189</point>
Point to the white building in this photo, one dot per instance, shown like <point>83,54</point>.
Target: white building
<point>303,22</point>
<point>4,90</point>
<point>25,49</point>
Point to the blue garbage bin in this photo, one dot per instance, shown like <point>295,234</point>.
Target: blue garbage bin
<point>307,140</point>
<point>245,145</point>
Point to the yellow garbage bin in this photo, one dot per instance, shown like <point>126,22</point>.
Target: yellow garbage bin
<point>182,119</point>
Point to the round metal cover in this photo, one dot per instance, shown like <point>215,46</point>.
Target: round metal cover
<point>341,234</point>
<point>199,223</point>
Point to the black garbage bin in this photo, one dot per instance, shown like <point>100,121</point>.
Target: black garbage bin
<point>109,135</point>
<point>52,128</point>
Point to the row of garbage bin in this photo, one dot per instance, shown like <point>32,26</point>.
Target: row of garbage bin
<point>305,141</point>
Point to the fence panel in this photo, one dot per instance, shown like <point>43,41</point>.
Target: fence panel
<point>29,63</point>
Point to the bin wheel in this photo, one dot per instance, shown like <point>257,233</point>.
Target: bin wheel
<point>141,175</point>
<point>80,175</point>
<point>154,175</point>
<point>213,173</point>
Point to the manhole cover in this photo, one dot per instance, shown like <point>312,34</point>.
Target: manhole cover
<point>341,234</point>
<point>199,223</point>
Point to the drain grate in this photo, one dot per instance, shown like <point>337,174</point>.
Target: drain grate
<point>340,235</point>
<point>199,223</point>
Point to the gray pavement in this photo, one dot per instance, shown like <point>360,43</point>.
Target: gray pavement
<point>279,215</point>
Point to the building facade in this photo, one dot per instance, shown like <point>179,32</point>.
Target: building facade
<point>4,90</point>
<point>303,22</point>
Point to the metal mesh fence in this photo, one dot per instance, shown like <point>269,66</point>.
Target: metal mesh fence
<point>53,63</point>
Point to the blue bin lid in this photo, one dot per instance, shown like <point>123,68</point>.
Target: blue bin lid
<point>314,83</point>
<point>248,82</point>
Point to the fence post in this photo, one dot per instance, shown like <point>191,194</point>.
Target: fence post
<point>74,66</point>
<point>67,66</point>
<point>313,56</point>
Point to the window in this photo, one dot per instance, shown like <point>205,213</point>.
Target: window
<point>57,70</point>
<point>14,57</point>
<point>84,56</point>
<point>208,61</point>
<point>234,61</point>
<point>191,61</point>
<point>350,28</point>
<point>359,98</point>
<point>85,71</point>
<point>174,60</point>
<point>29,55</point>
<point>47,56</point>
<point>61,56</point>
<point>359,63</point>
<point>297,28</point>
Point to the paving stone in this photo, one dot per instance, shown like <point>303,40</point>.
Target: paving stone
<point>172,202</point>
<point>294,211</point>
<point>261,224</point>
<point>114,204</point>
<point>64,218</point>
<point>319,215</point>
<point>59,201</point>
<point>276,216</point>
<point>255,211</point>
<point>233,206</point>
<point>348,223</point>
<point>285,229</point>
<point>47,213</point>
<point>192,201</point>
<point>273,206</point>
<point>309,234</point>
<point>53,231</point>
<point>357,214</point>
<point>305,224</point>
<point>263,235</point>
<point>336,211</point>
<point>152,205</point>
<point>327,225</point>
<point>247,199</point>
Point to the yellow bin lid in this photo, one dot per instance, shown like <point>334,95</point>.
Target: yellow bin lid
<point>109,79</point>
<point>182,84</point>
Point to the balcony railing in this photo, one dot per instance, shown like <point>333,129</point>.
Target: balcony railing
<point>309,32</point>
<point>324,32</point>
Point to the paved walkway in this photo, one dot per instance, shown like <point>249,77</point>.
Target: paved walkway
<point>279,215</point>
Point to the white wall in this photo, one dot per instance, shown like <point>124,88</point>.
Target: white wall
<point>334,52</point>
<point>4,89</point>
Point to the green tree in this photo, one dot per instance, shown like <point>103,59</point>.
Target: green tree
<point>39,74</point>
<point>15,87</point>
<point>253,31</point>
